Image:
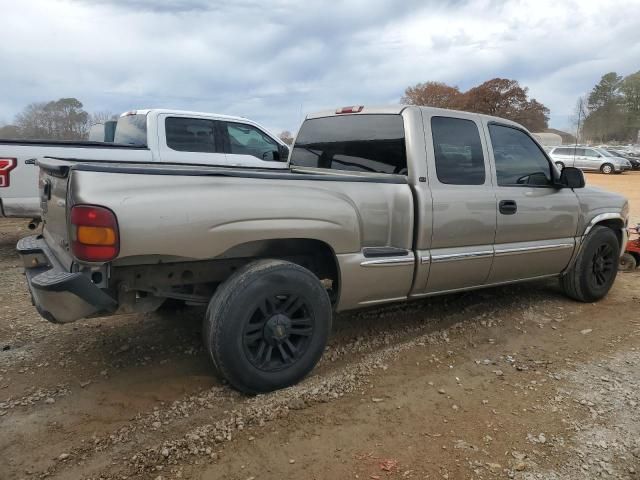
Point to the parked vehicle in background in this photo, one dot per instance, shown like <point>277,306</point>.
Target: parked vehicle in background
<point>378,205</point>
<point>633,159</point>
<point>588,159</point>
<point>164,136</point>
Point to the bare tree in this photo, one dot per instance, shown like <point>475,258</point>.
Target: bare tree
<point>10,131</point>
<point>286,137</point>
<point>101,117</point>
<point>577,118</point>
<point>62,119</point>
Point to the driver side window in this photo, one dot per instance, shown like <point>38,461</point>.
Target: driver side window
<point>519,161</point>
<point>248,140</point>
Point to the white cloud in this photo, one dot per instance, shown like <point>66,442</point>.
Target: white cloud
<point>269,61</point>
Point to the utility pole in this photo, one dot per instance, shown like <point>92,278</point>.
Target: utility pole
<point>575,147</point>
<point>579,115</point>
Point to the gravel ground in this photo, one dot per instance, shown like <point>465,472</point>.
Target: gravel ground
<point>512,382</point>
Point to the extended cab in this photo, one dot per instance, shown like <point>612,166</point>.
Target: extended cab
<point>164,136</point>
<point>378,205</point>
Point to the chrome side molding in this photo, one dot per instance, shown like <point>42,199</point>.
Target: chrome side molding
<point>452,257</point>
<point>537,248</point>
<point>388,262</point>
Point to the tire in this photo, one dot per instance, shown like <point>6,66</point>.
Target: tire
<point>267,325</point>
<point>627,263</point>
<point>560,165</point>
<point>595,269</point>
<point>607,169</point>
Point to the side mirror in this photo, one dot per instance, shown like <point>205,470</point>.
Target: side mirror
<point>283,152</point>
<point>572,177</point>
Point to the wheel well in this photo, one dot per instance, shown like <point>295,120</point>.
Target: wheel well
<point>196,281</point>
<point>314,255</point>
<point>615,224</point>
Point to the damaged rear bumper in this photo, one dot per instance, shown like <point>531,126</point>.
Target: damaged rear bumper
<point>60,296</point>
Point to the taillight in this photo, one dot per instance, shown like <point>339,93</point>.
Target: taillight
<point>6,165</point>
<point>352,109</point>
<point>94,233</point>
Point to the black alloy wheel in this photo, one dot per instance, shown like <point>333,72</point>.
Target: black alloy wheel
<point>277,333</point>
<point>602,265</point>
<point>267,325</point>
<point>594,270</point>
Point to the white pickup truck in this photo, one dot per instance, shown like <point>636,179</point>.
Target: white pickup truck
<point>156,135</point>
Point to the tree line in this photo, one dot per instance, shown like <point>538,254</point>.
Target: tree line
<point>611,111</point>
<point>500,97</point>
<point>62,119</point>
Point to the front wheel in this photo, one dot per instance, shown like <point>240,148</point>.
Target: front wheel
<point>595,269</point>
<point>560,165</point>
<point>267,325</point>
<point>607,169</point>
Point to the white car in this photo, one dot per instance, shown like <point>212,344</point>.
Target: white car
<point>156,135</point>
<point>588,159</point>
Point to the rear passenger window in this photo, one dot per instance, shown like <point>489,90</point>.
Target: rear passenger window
<point>191,134</point>
<point>360,143</point>
<point>458,151</point>
<point>519,160</point>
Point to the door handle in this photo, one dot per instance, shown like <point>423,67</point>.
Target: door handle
<point>508,207</point>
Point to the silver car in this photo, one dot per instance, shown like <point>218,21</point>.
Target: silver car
<point>588,159</point>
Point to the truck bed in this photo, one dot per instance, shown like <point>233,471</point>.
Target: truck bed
<point>187,213</point>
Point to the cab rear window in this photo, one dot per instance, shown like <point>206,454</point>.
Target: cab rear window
<point>131,130</point>
<point>360,143</point>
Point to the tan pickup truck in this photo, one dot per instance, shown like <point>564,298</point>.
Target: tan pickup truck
<point>378,205</point>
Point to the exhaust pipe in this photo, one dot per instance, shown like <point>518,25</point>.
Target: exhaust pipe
<point>34,223</point>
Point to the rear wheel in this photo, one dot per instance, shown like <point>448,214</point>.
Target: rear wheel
<point>594,270</point>
<point>607,168</point>
<point>267,326</point>
<point>627,263</point>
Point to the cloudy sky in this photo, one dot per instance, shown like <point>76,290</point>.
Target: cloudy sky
<point>275,60</point>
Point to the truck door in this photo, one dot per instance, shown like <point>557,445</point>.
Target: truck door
<point>537,222</point>
<point>193,140</point>
<point>464,203</point>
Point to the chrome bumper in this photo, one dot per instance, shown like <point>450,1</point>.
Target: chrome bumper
<point>58,295</point>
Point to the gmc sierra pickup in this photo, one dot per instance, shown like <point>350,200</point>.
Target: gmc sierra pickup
<point>377,205</point>
<point>167,136</point>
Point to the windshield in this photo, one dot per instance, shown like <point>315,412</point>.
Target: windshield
<point>131,130</point>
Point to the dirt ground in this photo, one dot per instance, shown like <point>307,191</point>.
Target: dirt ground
<point>512,382</point>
